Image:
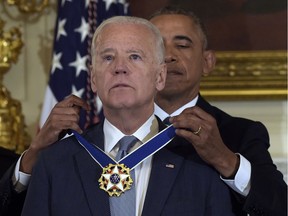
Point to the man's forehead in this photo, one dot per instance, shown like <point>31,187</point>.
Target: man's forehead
<point>176,30</point>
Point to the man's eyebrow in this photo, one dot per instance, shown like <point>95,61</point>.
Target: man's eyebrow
<point>182,37</point>
<point>106,50</point>
<point>135,51</point>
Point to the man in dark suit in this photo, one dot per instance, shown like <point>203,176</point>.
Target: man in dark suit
<point>263,191</point>
<point>128,68</point>
<point>235,147</point>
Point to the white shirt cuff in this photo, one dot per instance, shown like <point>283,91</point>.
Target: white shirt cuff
<point>20,179</point>
<point>242,182</point>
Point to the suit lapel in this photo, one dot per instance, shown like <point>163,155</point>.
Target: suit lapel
<point>165,167</point>
<point>203,104</point>
<point>89,173</point>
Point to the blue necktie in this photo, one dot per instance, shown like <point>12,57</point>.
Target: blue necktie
<point>125,204</point>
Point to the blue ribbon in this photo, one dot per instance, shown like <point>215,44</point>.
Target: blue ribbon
<point>134,158</point>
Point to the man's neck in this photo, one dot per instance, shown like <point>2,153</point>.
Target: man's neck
<point>162,114</point>
<point>170,106</point>
<point>128,121</point>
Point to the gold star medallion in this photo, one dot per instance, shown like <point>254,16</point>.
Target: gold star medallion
<point>115,179</point>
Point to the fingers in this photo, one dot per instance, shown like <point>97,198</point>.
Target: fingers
<point>65,112</point>
<point>194,120</point>
<point>196,126</point>
<point>198,131</point>
<point>201,130</point>
<point>63,117</point>
<point>69,109</point>
<point>73,101</point>
<point>56,127</point>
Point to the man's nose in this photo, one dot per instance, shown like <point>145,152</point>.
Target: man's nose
<point>120,67</point>
<point>169,55</point>
<point>170,59</point>
<point>120,71</point>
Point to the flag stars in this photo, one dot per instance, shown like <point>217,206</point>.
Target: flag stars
<point>108,3</point>
<point>79,63</point>
<point>61,30</point>
<point>125,5</point>
<point>63,2</point>
<point>56,62</point>
<point>76,92</point>
<point>69,69</point>
<point>87,3</point>
<point>83,29</point>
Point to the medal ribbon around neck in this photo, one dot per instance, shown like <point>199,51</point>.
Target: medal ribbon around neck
<point>115,178</point>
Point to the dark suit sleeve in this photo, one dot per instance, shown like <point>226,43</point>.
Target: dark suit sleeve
<point>37,199</point>
<point>268,192</point>
<point>11,202</point>
<point>268,189</point>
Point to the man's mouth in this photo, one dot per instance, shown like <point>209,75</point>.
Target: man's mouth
<point>120,85</point>
<point>173,72</point>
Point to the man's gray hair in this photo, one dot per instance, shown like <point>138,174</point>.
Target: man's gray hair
<point>160,49</point>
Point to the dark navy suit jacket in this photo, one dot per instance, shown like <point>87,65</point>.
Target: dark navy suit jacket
<point>65,182</point>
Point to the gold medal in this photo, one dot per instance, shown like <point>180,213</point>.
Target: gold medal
<point>115,179</point>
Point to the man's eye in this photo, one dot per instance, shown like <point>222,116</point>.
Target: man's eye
<point>182,46</point>
<point>135,57</point>
<point>108,58</point>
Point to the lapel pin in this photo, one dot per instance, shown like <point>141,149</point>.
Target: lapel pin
<point>171,166</point>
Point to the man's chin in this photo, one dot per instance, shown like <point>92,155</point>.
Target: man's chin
<point>171,85</point>
<point>168,91</point>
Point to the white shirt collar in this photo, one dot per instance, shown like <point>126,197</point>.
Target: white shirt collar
<point>162,114</point>
<point>112,134</point>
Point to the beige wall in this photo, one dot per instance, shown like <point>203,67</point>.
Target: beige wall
<point>27,81</point>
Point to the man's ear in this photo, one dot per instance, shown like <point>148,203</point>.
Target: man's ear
<point>93,79</point>
<point>209,62</point>
<point>161,77</point>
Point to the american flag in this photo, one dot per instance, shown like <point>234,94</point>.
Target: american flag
<point>75,25</point>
